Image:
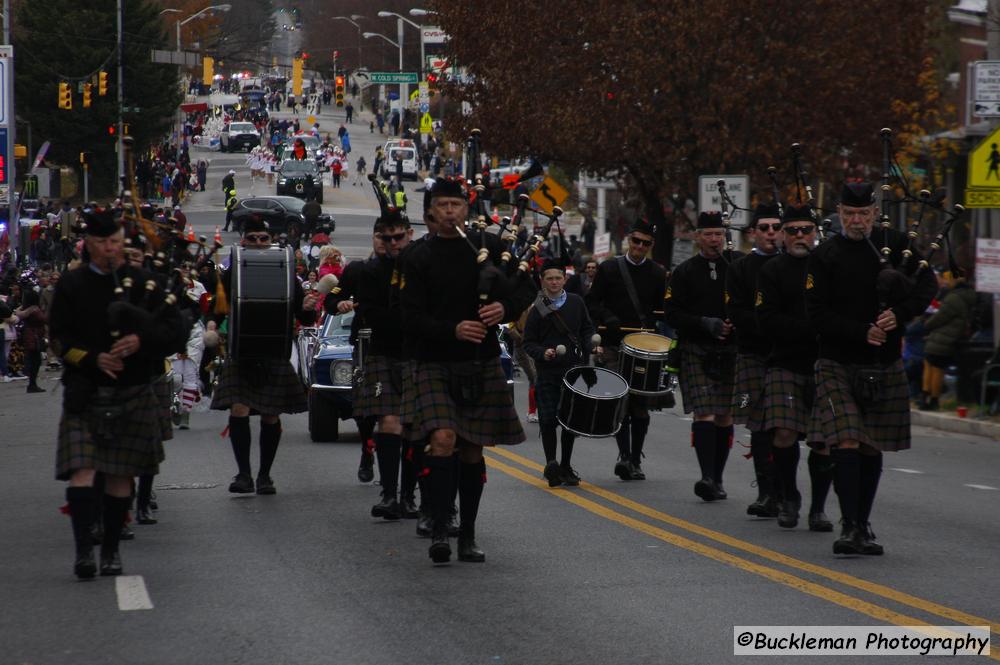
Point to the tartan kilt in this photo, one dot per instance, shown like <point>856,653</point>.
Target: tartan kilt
<point>748,400</point>
<point>884,424</point>
<point>492,421</point>
<point>548,389</point>
<point>703,395</point>
<point>636,406</point>
<point>163,389</point>
<point>381,392</point>
<point>269,387</point>
<point>789,403</point>
<point>408,404</point>
<point>128,445</point>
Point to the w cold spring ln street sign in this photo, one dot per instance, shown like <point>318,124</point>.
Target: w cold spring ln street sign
<point>393,77</point>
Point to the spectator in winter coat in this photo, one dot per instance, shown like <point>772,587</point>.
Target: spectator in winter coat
<point>946,329</point>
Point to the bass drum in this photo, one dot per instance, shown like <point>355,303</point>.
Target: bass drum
<point>262,294</point>
<point>592,402</point>
<point>643,361</point>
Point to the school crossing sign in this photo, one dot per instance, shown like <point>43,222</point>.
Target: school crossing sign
<point>983,183</point>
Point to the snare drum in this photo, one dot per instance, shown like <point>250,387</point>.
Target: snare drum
<point>592,402</point>
<point>642,362</point>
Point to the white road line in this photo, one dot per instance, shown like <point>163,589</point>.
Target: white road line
<point>983,487</point>
<point>132,594</point>
<point>905,470</point>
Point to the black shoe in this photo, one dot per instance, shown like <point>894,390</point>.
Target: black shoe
<point>144,516</point>
<point>849,541</point>
<point>623,468</point>
<point>387,508</point>
<point>706,489</point>
<point>366,470</point>
<point>265,485</point>
<point>111,564</point>
<point>764,506</point>
<point>408,507</point>
<point>424,525</point>
<point>868,544</point>
<point>636,470</point>
<point>127,533</point>
<point>553,473</point>
<point>35,389</point>
<point>720,492</point>
<point>569,477</point>
<point>820,522</point>
<point>440,550</point>
<point>788,516</point>
<point>468,550</point>
<point>242,484</point>
<point>85,567</point>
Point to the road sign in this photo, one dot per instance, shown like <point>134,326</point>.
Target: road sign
<point>311,120</point>
<point>602,245</point>
<point>549,194</point>
<point>983,180</point>
<point>393,77</point>
<point>426,124</point>
<point>425,108</point>
<point>986,88</point>
<point>183,58</point>
<point>738,188</point>
<point>987,265</point>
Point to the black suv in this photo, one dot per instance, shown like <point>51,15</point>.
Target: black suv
<point>283,214</point>
<point>300,178</point>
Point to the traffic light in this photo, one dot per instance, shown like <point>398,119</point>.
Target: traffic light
<point>65,96</point>
<point>207,70</point>
<point>85,158</point>
<point>86,95</point>
<point>112,130</point>
<point>432,82</point>
<point>339,90</point>
<point>297,77</point>
<point>102,83</point>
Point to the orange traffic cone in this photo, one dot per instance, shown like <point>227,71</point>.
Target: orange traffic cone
<point>218,236</point>
<point>190,233</point>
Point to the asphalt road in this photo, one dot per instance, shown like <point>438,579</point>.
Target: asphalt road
<point>610,572</point>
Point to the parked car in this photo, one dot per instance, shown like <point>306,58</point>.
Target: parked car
<point>300,178</point>
<point>326,367</point>
<point>238,136</point>
<point>283,214</point>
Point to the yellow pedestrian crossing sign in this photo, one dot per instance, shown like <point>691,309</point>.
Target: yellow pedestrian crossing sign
<point>426,124</point>
<point>549,194</point>
<point>983,182</point>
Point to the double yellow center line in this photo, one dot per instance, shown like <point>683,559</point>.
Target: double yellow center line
<point>855,603</point>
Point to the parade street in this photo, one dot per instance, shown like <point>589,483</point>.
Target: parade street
<point>609,572</point>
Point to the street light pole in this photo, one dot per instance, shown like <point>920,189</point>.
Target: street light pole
<point>121,93</point>
<point>404,88</point>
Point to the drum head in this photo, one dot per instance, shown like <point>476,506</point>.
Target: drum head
<point>647,342</point>
<point>596,382</point>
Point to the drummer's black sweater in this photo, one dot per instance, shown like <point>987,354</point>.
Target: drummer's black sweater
<point>780,306</point>
<point>541,333</point>
<point>609,302</point>
<point>693,294</point>
<point>439,290</point>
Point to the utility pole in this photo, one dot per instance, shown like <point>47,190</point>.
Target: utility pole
<point>10,117</point>
<point>121,93</point>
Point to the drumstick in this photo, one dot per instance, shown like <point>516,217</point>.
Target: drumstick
<point>560,350</point>
<point>595,340</point>
<point>624,329</point>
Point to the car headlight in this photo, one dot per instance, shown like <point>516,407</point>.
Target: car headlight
<point>341,373</point>
<point>282,181</point>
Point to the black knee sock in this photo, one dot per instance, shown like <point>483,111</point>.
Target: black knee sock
<point>471,478</point>
<point>820,477</point>
<point>549,442</point>
<point>786,466</point>
<point>763,469</point>
<point>387,448</point>
<point>270,437</point>
<point>623,438</point>
<point>407,470</point>
<point>847,481</point>
<point>441,490</point>
<point>703,439</point>
<point>871,471</point>
<point>639,428</point>
<point>239,437</point>
<point>567,439</point>
<point>82,511</point>
<point>115,509</point>
<point>145,491</point>
<point>723,442</point>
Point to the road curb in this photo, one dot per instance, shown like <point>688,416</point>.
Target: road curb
<point>949,423</point>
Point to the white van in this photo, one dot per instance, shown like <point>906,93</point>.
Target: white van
<point>408,152</point>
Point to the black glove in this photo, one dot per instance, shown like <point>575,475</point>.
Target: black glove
<point>713,326</point>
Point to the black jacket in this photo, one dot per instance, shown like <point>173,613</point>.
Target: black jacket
<point>741,289</point>
<point>693,294</point>
<point>542,332</point>
<point>780,307</point>
<point>609,302</point>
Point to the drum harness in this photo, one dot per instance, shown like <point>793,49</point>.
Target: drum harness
<point>560,323</point>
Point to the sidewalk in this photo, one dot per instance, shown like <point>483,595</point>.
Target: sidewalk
<point>949,422</point>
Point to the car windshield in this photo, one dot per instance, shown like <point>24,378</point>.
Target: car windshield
<point>242,127</point>
<point>401,153</point>
<point>337,325</point>
<point>298,166</point>
<point>311,141</point>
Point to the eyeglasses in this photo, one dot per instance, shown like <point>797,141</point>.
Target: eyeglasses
<point>799,230</point>
<point>640,241</point>
<point>385,237</point>
<point>258,237</point>
<point>776,226</point>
